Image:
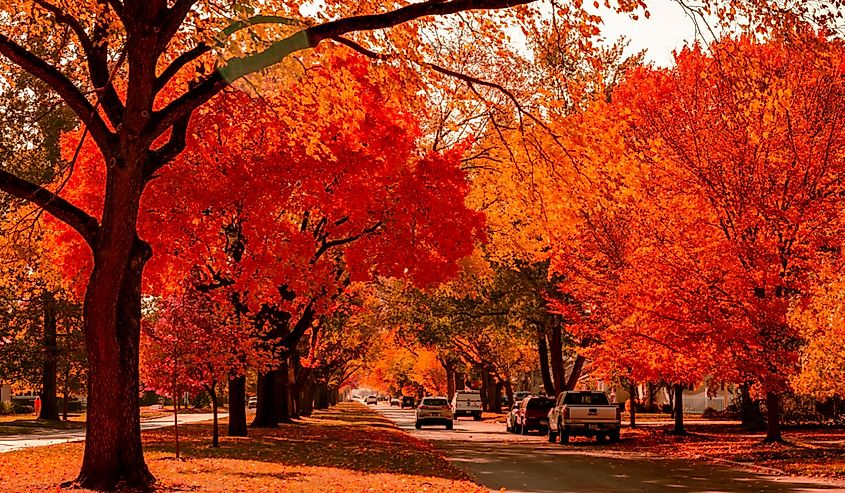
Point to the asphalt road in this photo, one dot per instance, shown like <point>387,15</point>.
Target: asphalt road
<point>42,437</point>
<point>517,463</point>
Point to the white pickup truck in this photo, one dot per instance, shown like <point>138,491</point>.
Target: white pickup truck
<point>584,413</point>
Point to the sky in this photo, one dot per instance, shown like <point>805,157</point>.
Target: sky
<point>667,29</point>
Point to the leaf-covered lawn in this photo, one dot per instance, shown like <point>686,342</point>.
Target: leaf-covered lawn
<point>26,424</point>
<point>810,452</point>
<point>347,448</point>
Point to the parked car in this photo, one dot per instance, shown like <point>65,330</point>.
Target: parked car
<point>371,400</point>
<point>584,413</point>
<point>533,414</point>
<point>407,401</point>
<point>252,403</point>
<point>467,403</point>
<point>510,419</point>
<point>394,402</point>
<point>434,410</point>
<point>519,395</point>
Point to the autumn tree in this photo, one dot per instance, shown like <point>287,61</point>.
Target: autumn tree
<point>743,144</point>
<point>138,47</point>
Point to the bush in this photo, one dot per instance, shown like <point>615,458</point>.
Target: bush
<point>6,407</point>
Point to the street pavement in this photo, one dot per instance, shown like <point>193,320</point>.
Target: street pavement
<point>498,459</point>
<point>41,437</point>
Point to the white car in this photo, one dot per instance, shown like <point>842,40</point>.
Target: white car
<point>371,399</point>
<point>467,403</point>
<point>433,410</point>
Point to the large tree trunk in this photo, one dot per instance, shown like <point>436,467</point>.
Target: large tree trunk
<point>49,403</point>
<point>679,410</point>
<point>773,433</point>
<point>267,409</point>
<point>545,373</point>
<point>556,360</point>
<point>237,407</point>
<point>321,396</point>
<point>577,368</point>
<point>112,322</point>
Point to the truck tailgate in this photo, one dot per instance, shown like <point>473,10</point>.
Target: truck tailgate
<point>586,414</point>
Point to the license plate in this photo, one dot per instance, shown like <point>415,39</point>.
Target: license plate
<point>544,422</point>
<point>590,426</point>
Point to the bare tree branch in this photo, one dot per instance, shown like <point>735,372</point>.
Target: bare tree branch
<point>309,38</point>
<point>63,210</point>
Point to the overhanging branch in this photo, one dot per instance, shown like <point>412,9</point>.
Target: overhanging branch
<point>60,208</point>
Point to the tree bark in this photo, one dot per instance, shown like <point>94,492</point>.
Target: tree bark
<point>450,381</point>
<point>773,432</point>
<point>112,322</point>
<point>545,373</point>
<point>632,399</point>
<point>215,426</point>
<point>509,392</point>
<point>237,407</point>
<point>266,410</point>
<point>556,360</point>
<point>577,368</point>
<point>679,410</point>
<point>49,402</point>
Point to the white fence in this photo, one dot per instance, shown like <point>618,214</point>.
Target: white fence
<point>697,403</point>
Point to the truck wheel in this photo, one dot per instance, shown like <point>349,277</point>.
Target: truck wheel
<point>564,438</point>
<point>418,425</point>
<point>552,436</point>
<point>601,438</point>
<point>614,436</point>
<point>524,430</point>
<point>476,417</point>
<point>449,425</point>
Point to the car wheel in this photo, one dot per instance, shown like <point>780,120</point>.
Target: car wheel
<point>601,438</point>
<point>523,430</point>
<point>614,436</point>
<point>418,425</point>
<point>449,425</point>
<point>552,437</point>
<point>477,417</point>
<point>564,438</point>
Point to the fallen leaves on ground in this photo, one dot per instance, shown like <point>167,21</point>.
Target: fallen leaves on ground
<point>809,452</point>
<point>345,449</point>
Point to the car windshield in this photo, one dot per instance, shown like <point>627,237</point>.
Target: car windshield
<point>434,402</point>
<point>588,398</point>
<point>541,404</point>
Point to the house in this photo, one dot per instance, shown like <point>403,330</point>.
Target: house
<point>696,397</point>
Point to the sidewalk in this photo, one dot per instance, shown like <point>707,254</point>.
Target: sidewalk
<point>42,438</point>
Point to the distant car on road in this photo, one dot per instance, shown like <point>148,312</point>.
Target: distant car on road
<point>433,410</point>
<point>407,401</point>
<point>371,400</point>
<point>584,413</point>
<point>533,414</point>
<point>252,403</point>
<point>394,402</point>
<point>467,403</point>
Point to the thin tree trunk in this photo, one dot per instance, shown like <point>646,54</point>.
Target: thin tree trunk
<point>65,397</point>
<point>509,392</point>
<point>773,432</point>
<point>556,360</point>
<point>545,373</point>
<point>215,427</point>
<point>577,368</point>
<point>450,381</point>
<point>679,410</point>
<point>237,407</point>
<point>49,402</point>
<point>632,399</point>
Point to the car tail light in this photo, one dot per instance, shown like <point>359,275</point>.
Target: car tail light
<point>423,407</point>
<point>566,413</point>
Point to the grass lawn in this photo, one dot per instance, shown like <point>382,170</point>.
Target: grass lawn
<point>347,448</point>
<point>810,452</point>
<point>25,424</point>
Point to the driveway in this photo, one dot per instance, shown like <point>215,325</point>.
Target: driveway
<point>41,438</point>
<point>498,459</point>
